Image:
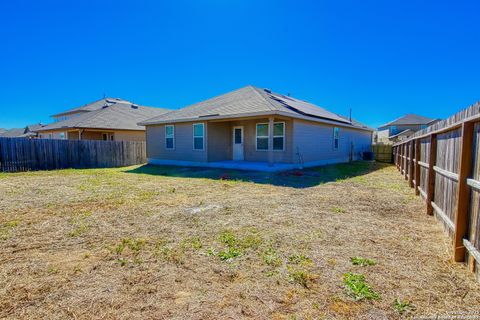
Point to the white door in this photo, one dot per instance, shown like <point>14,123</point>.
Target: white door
<point>238,143</point>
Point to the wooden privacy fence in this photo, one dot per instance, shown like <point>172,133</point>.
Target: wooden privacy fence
<point>20,154</point>
<point>383,152</point>
<point>442,163</point>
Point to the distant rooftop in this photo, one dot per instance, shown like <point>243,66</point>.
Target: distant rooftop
<point>98,104</point>
<point>119,115</point>
<point>409,119</point>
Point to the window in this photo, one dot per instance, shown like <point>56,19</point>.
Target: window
<point>262,136</point>
<point>237,133</point>
<point>62,135</point>
<point>198,136</point>
<point>169,137</point>
<point>336,131</point>
<point>278,136</point>
<point>104,136</point>
<point>393,130</point>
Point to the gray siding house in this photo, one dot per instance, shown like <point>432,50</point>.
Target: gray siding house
<point>256,129</point>
<point>403,128</point>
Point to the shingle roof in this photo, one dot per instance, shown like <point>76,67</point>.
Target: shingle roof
<point>409,119</point>
<point>120,116</point>
<point>96,105</point>
<point>250,101</point>
<point>13,133</point>
<point>404,132</point>
<point>34,127</point>
<point>20,132</point>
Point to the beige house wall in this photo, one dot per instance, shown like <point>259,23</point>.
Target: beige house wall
<point>218,142</point>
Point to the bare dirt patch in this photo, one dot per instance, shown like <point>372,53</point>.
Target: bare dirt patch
<point>164,243</point>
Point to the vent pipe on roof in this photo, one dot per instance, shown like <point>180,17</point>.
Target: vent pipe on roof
<point>350,115</point>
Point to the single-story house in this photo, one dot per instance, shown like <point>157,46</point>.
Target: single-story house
<point>105,119</point>
<point>29,131</point>
<point>403,128</point>
<point>253,128</point>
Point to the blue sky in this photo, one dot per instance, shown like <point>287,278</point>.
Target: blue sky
<point>381,58</point>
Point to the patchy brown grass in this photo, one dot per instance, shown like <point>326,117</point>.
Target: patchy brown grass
<point>169,243</point>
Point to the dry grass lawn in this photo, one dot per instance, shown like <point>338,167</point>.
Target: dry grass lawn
<point>171,243</point>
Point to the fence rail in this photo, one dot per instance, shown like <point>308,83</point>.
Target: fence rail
<point>20,154</point>
<point>442,163</point>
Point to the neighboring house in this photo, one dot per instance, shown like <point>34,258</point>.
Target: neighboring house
<point>253,128</point>
<point>403,128</point>
<point>106,119</point>
<point>29,131</point>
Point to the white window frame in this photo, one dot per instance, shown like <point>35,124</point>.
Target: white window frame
<point>173,137</point>
<point>274,136</point>
<point>282,136</point>
<point>256,136</point>
<point>336,130</point>
<point>203,136</point>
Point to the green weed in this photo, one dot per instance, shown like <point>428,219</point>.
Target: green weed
<point>300,276</point>
<point>338,210</point>
<point>271,258</point>
<point>7,227</point>
<point>299,259</point>
<point>402,306</point>
<point>358,288</point>
<point>359,261</point>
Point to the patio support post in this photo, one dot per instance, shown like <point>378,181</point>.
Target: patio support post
<point>270,141</point>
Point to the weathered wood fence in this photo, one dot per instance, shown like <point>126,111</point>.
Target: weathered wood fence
<point>442,163</point>
<point>20,154</point>
<point>383,152</point>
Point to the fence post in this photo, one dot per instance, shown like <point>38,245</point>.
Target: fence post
<point>432,160</point>
<point>405,170</point>
<point>411,164</point>
<point>417,166</point>
<point>463,192</point>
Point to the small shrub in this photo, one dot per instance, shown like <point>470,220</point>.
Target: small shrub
<point>358,288</point>
<point>359,261</point>
<point>402,306</point>
<point>172,190</point>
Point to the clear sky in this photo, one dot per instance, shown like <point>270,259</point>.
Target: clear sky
<point>381,58</point>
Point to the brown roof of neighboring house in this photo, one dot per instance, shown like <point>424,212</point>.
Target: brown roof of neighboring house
<point>251,101</point>
<point>410,119</point>
<point>120,116</point>
<point>92,106</point>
